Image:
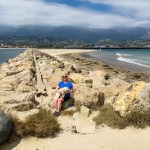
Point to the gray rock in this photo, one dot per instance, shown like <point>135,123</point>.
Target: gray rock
<point>6,127</point>
<point>88,97</point>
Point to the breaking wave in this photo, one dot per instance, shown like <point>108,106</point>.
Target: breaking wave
<point>132,61</point>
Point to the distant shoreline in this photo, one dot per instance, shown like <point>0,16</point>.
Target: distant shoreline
<point>112,48</point>
<point>124,48</point>
<point>14,48</point>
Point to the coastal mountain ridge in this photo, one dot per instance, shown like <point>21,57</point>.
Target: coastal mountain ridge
<point>78,34</point>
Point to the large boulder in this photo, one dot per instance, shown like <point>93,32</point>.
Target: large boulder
<point>98,78</point>
<point>2,75</point>
<point>72,68</point>
<point>136,98</point>
<point>99,73</point>
<point>21,101</point>
<point>6,127</point>
<point>46,70</point>
<point>9,83</point>
<point>23,88</point>
<point>56,77</point>
<point>26,76</point>
<point>98,82</point>
<point>88,96</point>
<point>76,77</point>
<point>24,106</point>
<point>113,87</point>
<point>6,87</point>
<point>26,66</point>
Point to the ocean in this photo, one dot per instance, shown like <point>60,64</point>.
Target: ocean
<point>6,53</point>
<point>132,59</point>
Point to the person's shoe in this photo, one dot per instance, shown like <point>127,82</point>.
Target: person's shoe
<point>56,113</point>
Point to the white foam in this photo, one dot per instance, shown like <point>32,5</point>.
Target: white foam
<point>127,55</point>
<point>132,61</point>
<point>118,54</point>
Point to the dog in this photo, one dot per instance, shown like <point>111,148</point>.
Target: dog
<point>63,91</point>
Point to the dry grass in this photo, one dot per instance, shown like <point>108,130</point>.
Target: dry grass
<point>139,120</point>
<point>108,116</point>
<point>43,124</point>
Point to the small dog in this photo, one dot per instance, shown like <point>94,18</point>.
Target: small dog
<point>63,91</point>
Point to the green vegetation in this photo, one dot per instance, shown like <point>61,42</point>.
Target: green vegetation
<point>41,42</point>
<point>43,124</point>
<point>108,116</point>
<point>47,41</point>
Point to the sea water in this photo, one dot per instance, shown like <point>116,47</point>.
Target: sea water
<point>6,53</point>
<point>129,58</point>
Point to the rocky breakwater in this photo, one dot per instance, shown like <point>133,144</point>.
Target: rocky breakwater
<point>26,81</point>
<point>17,84</point>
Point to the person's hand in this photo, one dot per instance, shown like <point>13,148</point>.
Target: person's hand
<point>59,91</point>
<point>69,91</point>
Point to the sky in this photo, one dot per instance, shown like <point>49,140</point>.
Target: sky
<point>97,14</point>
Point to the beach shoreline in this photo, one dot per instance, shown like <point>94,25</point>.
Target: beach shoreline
<point>121,65</point>
<point>84,54</point>
<point>86,62</point>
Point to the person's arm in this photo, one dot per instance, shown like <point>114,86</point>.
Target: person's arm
<point>57,89</point>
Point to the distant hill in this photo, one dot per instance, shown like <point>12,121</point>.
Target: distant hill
<point>79,34</point>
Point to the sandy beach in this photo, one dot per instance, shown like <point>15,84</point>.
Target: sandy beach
<point>109,60</point>
<point>104,139</point>
<point>88,137</point>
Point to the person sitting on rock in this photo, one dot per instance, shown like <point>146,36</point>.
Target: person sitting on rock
<point>63,92</point>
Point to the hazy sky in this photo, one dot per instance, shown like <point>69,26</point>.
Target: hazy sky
<point>85,13</point>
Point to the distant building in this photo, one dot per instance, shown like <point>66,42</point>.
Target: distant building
<point>2,45</point>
